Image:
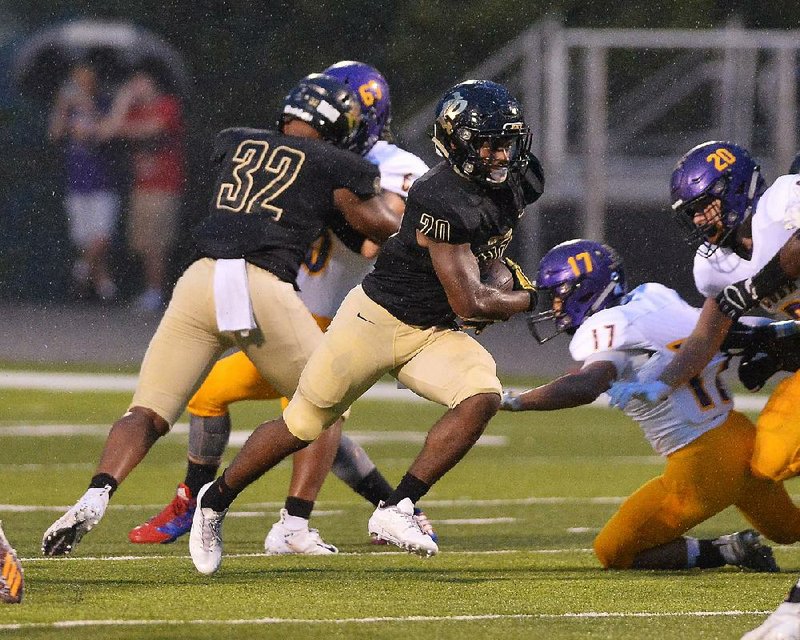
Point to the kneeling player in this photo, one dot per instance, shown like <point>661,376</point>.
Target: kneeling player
<point>708,446</point>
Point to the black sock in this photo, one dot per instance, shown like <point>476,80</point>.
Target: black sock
<point>299,507</point>
<point>374,487</point>
<point>104,480</point>
<point>409,487</point>
<point>710,555</point>
<point>199,474</point>
<point>219,495</point>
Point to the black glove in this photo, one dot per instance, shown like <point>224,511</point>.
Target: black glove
<point>774,347</point>
<point>756,368</point>
<point>522,282</point>
<point>737,298</point>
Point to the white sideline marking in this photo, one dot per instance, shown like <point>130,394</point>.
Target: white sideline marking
<point>261,554</point>
<point>51,381</point>
<point>476,521</point>
<point>66,624</point>
<point>265,507</point>
<point>253,506</point>
<point>237,438</point>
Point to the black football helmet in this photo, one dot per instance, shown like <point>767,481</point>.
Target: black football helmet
<point>473,113</point>
<point>328,105</point>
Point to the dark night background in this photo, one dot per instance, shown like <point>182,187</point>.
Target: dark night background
<point>243,56</point>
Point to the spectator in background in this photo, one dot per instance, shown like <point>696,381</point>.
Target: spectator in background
<point>91,201</point>
<point>150,120</point>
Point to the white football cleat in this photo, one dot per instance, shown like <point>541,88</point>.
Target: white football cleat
<point>66,532</point>
<point>782,624</point>
<point>281,540</point>
<point>205,538</point>
<point>397,524</point>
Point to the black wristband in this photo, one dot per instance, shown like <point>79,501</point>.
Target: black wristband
<point>534,299</point>
<point>771,279</point>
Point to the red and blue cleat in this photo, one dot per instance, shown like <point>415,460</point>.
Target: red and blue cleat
<point>169,525</point>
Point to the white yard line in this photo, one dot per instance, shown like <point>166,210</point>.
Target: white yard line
<point>67,624</point>
<point>53,381</point>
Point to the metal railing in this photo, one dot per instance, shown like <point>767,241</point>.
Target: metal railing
<point>613,109</point>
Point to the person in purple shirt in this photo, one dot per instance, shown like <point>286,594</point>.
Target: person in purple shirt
<point>92,202</point>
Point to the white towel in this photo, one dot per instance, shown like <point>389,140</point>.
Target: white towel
<point>232,297</point>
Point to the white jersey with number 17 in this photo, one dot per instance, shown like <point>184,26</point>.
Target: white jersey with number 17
<point>640,337</point>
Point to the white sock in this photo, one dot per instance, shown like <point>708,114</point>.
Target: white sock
<point>295,523</point>
<point>692,552</point>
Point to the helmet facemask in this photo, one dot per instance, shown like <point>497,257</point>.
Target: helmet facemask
<point>491,156</point>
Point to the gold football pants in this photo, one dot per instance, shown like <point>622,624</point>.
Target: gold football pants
<point>699,480</point>
<point>187,342</point>
<point>234,378</point>
<point>363,343</point>
<point>777,449</point>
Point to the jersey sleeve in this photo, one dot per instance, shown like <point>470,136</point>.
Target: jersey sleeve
<point>351,171</point>
<point>439,218</point>
<point>603,336</point>
<point>399,169</point>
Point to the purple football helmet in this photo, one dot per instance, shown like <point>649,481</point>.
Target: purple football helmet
<point>710,171</point>
<point>580,277</point>
<point>373,92</point>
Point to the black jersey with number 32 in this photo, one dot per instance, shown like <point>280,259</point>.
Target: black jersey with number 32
<point>447,208</point>
<point>274,195</point>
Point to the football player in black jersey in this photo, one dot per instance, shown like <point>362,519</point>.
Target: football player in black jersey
<point>403,319</point>
<point>274,193</point>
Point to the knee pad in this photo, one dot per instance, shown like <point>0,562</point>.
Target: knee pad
<point>306,420</point>
<point>352,464</point>
<point>208,437</point>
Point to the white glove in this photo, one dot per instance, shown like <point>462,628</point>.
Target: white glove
<point>510,402</point>
<point>782,624</point>
<point>652,392</point>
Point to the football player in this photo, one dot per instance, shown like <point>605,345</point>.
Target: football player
<point>717,189</point>
<point>402,319</point>
<point>337,262</point>
<point>707,445</point>
<point>274,193</point>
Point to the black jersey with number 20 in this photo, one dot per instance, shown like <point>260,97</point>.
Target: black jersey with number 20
<point>273,196</point>
<point>445,207</point>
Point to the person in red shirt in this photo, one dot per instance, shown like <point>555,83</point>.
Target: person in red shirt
<point>151,121</point>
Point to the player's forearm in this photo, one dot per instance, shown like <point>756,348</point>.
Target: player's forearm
<point>790,256</point>
<point>488,303</point>
<point>697,350</point>
<point>562,393</point>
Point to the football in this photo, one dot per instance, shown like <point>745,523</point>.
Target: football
<point>494,273</point>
